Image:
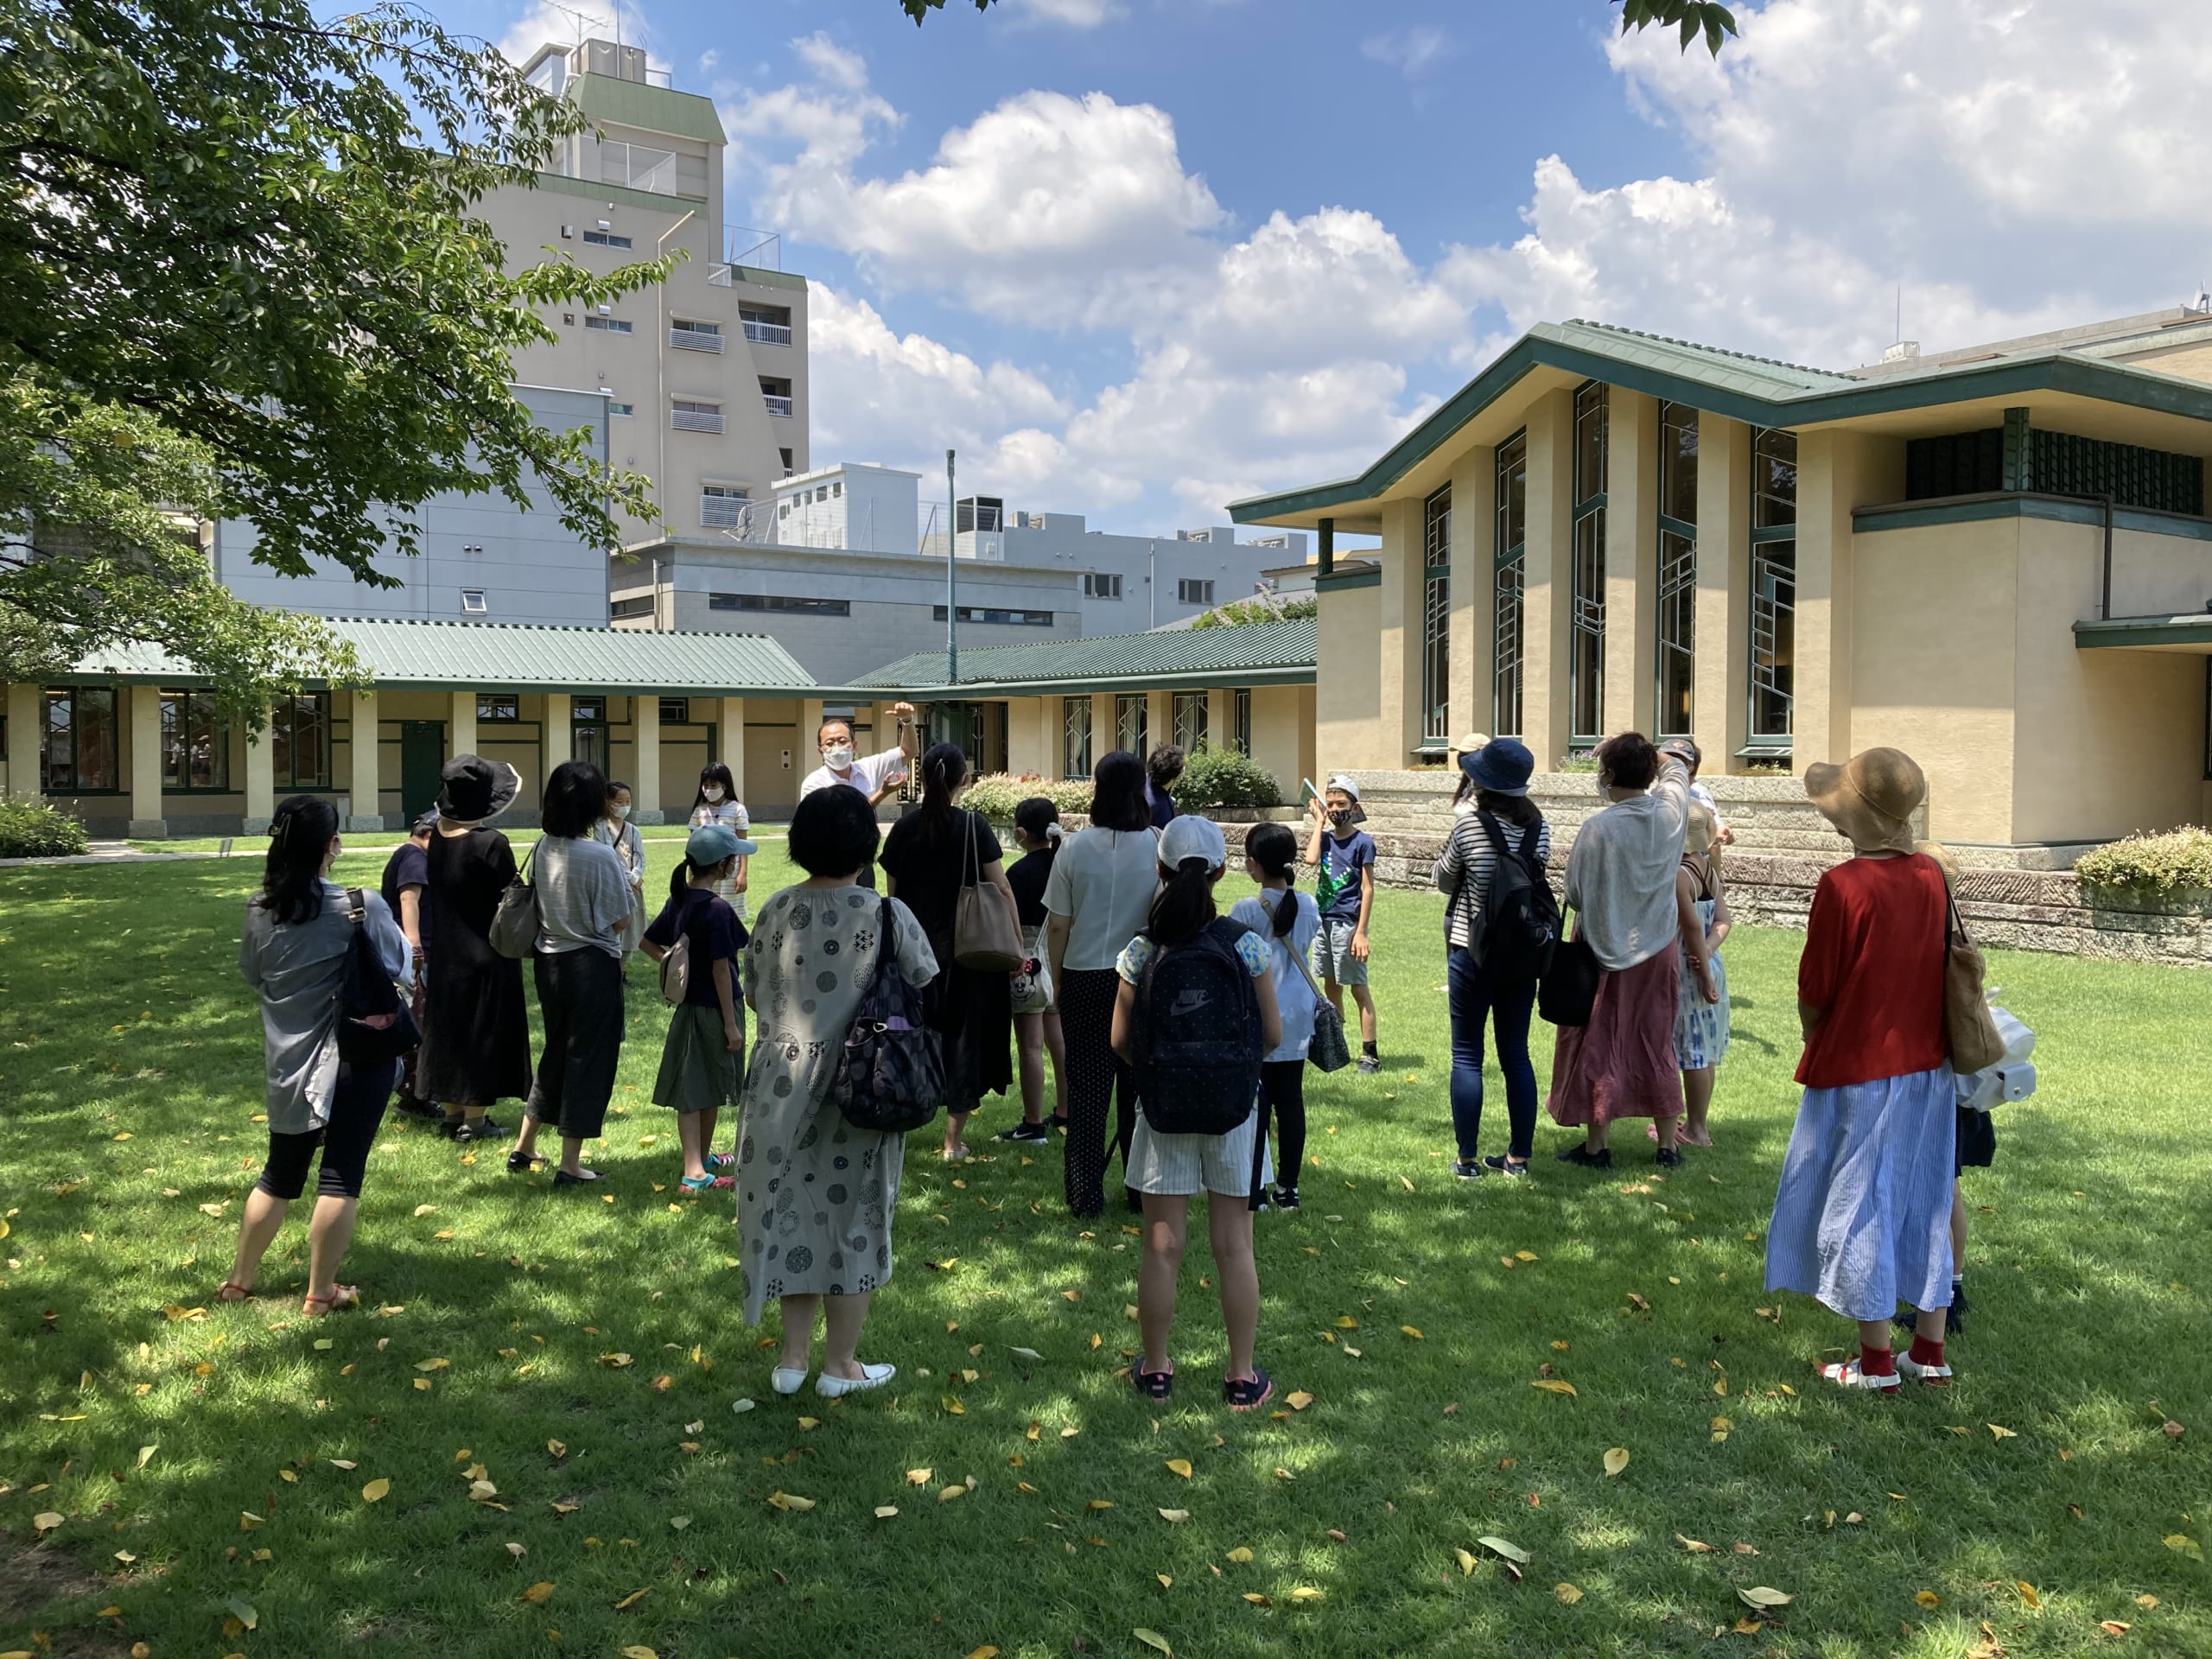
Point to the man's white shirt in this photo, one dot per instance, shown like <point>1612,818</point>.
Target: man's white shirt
<point>867,773</point>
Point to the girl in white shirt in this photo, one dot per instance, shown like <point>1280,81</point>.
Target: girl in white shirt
<point>1288,919</point>
<point>717,802</point>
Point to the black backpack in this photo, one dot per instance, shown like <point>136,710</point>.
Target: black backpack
<point>1197,1045</point>
<point>891,1070</point>
<point>1519,928</point>
<point>375,1025</point>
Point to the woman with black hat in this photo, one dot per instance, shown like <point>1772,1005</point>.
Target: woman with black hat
<point>475,1033</point>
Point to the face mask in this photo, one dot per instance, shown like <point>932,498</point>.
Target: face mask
<point>1602,786</point>
<point>1340,816</point>
<point>839,755</point>
<point>618,813</point>
<point>712,792</point>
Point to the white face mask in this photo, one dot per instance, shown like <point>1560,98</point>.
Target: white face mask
<point>839,755</point>
<point>618,813</point>
<point>712,792</point>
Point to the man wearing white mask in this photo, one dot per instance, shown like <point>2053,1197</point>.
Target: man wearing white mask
<point>875,775</point>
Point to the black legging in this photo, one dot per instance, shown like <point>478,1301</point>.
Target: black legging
<point>1282,1090</point>
<point>1095,1074</point>
<point>356,1110</point>
<point>580,1001</point>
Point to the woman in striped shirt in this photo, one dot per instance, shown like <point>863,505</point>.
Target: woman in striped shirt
<point>1504,818</point>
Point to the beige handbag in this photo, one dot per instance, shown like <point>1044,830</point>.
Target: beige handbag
<point>1976,1042</point>
<point>985,936</point>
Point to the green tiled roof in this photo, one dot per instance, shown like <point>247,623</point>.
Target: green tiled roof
<point>494,657</point>
<point>1756,390</point>
<point>1266,653</point>
<point>656,109</point>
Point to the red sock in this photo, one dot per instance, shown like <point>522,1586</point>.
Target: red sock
<point>1925,1353</point>
<point>1876,1362</point>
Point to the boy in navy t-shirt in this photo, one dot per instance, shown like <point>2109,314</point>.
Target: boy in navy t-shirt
<point>1344,890</point>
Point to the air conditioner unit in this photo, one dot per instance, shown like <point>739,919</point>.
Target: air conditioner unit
<point>606,224</point>
<point>606,310</point>
<point>568,231</point>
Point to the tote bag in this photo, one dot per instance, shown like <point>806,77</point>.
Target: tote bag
<point>985,936</point>
<point>1327,1050</point>
<point>1568,989</point>
<point>513,932</point>
<point>1032,981</point>
<point>1976,1043</point>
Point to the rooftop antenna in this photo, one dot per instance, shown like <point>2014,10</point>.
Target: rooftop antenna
<point>578,18</point>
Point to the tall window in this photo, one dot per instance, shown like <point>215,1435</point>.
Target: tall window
<point>1240,709</point>
<point>82,746</point>
<point>1075,727</point>
<point>1189,712</point>
<point>1587,628</point>
<point>1774,590</point>
<point>1511,544</point>
<point>1130,715</point>
<point>1677,569</point>
<point>1436,617</point>
<point>588,730</point>
<point>195,747</point>
<point>299,741</point>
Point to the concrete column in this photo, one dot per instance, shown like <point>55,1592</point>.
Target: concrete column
<point>1026,750</point>
<point>1220,717</point>
<point>1398,612</point>
<point>260,784</point>
<point>1548,583</point>
<point>461,724</point>
<point>1836,472</point>
<point>1279,740</point>
<point>26,734</point>
<point>810,730</point>
<point>146,820</point>
<point>1721,716</point>
<point>1159,721</point>
<point>644,792</point>
<point>368,775</point>
<point>1102,725</point>
<point>730,744</point>
<point>557,740</point>
<point>1474,590</point>
<point>1631,560</point>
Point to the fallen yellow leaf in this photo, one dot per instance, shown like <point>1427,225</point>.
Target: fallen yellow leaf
<point>1101,1503</point>
<point>952,1492</point>
<point>248,1521</point>
<point>1567,1593</point>
<point>1409,1331</point>
<point>791,1501</point>
<point>1180,1466</point>
<point>1467,1560</point>
<point>2187,1544</point>
<point>1554,1385</point>
<point>1695,1546</point>
<point>375,1490</point>
<point>952,1405</point>
<point>1240,1554</point>
<point>885,1511</point>
<point>986,1651</point>
<point>1999,1432</point>
<point>1300,1400</point>
<point>2031,1597</point>
<point>1305,1592</point>
<point>1154,1639</point>
<point>919,1477</point>
<point>1174,1517</point>
<point>1760,1596</point>
<point>1257,1599</point>
<point>1617,1460</point>
<point>46,1520</point>
<point>538,1594</point>
<point>1929,1598</point>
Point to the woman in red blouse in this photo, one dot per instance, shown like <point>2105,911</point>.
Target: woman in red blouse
<point>1862,1217</point>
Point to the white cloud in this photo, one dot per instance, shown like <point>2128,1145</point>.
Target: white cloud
<point>545,24</point>
<point>1067,14</point>
<point>1413,52</point>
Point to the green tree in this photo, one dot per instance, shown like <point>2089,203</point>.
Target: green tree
<point>244,279</point>
<point>1691,17</point>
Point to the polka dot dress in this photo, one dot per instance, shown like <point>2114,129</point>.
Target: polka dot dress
<point>815,1196</point>
<point>1097,1081</point>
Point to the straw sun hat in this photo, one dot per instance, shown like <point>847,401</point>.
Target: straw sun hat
<point>1869,799</point>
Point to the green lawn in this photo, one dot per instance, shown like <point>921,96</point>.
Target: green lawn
<point>130,1075</point>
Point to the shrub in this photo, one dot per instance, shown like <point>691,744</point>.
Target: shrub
<point>996,794</point>
<point>1240,612</point>
<point>2171,866</point>
<point>1584,761</point>
<point>34,829</point>
<point>1223,777</point>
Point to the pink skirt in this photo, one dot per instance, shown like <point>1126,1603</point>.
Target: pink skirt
<point>1622,1064</point>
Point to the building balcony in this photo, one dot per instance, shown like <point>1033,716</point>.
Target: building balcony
<point>768,333</point>
<point>685,339</point>
<point>777,406</point>
<point>696,420</point>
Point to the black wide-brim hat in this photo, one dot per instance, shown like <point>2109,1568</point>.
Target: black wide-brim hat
<point>473,790</point>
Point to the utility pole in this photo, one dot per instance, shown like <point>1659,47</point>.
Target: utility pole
<point>951,578</point>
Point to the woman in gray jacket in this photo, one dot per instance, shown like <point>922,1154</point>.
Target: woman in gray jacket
<point>298,934</point>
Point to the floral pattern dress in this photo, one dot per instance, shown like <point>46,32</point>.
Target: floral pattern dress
<point>1702,1027</point>
<point>815,1196</point>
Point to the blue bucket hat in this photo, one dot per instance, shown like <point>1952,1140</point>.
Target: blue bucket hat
<point>1500,765</point>
<point>710,843</point>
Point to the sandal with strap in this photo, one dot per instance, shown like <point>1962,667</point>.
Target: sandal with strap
<point>1252,1391</point>
<point>340,1297</point>
<point>1153,1385</point>
<point>231,1291</point>
<point>722,1160</point>
<point>695,1185</point>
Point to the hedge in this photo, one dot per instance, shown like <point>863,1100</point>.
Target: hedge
<point>996,794</point>
<point>34,829</point>
<point>2176,865</point>
<point>1223,777</point>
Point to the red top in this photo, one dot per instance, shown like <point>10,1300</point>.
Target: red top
<point>1873,960</point>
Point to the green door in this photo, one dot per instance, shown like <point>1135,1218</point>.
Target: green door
<point>422,759</point>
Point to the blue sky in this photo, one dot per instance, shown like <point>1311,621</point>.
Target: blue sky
<point>1136,258</point>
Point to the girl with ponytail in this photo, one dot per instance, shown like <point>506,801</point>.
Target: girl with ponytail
<point>704,1050</point>
<point>1036,1017</point>
<point>298,939</point>
<point>1288,920</point>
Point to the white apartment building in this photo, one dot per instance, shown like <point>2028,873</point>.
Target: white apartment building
<point>845,566</point>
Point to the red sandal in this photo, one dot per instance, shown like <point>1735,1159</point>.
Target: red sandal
<point>242,1292</point>
<point>340,1297</point>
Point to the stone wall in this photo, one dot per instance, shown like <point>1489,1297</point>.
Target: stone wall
<point>1782,848</point>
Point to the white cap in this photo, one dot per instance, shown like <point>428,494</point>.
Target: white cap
<point>1192,837</point>
<point>1343,780</point>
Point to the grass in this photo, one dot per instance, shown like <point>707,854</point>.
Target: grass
<point>130,1073</point>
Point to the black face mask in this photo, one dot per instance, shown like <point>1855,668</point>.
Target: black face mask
<point>1340,817</point>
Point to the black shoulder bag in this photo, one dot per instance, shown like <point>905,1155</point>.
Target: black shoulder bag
<point>890,1074</point>
<point>375,1024</point>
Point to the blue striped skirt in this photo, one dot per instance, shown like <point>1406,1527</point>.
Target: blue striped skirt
<point>1862,1219</point>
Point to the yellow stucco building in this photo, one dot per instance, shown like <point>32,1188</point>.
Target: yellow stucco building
<point>1997,559</point>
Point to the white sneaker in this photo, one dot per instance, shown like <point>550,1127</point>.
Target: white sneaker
<point>1938,1375</point>
<point>785,1381</point>
<point>830,1387</point>
<point>1851,1376</point>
